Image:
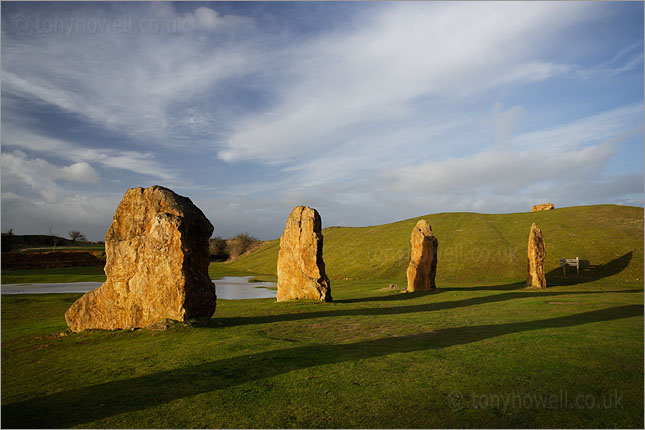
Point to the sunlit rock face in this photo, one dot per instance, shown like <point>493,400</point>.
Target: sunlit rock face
<point>301,269</point>
<point>536,256</point>
<point>156,265</point>
<point>543,207</point>
<point>422,269</point>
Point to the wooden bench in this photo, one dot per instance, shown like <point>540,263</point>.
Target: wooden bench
<point>574,262</point>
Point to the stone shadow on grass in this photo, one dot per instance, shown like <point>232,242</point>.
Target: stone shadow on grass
<point>406,296</point>
<point>502,287</point>
<point>588,272</point>
<point>401,309</point>
<point>392,297</point>
<point>76,407</point>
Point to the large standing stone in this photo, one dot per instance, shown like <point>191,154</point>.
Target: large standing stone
<point>301,269</point>
<point>536,256</point>
<point>156,265</point>
<point>422,269</point>
<point>543,207</point>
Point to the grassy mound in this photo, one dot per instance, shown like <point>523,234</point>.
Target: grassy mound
<point>567,357</point>
<point>476,248</point>
<point>472,354</point>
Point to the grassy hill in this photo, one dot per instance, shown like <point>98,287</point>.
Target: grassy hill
<point>476,248</point>
<point>468,355</point>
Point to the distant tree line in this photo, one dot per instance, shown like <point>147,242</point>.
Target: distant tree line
<point>230,249</point>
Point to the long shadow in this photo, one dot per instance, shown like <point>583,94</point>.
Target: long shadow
<point>75,407</point>
<point>589,272</point>
<point>395,310</point>
<point>502,287</point>
<point>401,295</point>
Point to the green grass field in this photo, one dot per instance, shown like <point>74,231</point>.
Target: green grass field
<point>59,274</point>
<point>475,248</point>
<point>473,354</point>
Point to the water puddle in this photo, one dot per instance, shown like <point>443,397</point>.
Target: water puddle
<point>228,288</point>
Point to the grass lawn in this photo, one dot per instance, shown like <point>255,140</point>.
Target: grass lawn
<point>482,356</point>
<point>59,274</point>
<point>483,351</point>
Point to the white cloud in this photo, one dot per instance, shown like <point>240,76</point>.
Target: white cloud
<point>133,161</point>
<point>531,71</point>
<point>369,122</point>
<point>502,172</point>
<point>592,129</point>
<point>132,83</point>
<point>375,150</point>
<point>403,53</point>
<point>627,59</point>
<point>79,172</point>
<point>505,123</point>
<point>385,176</point>
<point>41,176</point>
<point>90,214</point>
<point>356,185</point>
<point>205,18</point>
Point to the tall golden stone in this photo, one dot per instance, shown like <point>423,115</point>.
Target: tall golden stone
<point>536,256</point>
<point>422,269</point>
<point>301,269</point>
<point>156,265</point>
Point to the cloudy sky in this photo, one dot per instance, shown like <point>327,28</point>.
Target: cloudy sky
<point>369,112</point>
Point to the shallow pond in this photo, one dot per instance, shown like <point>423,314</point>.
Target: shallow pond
<point>239,287</point>
<point>228,288</point>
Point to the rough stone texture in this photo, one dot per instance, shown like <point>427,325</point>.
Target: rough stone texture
<point>543,207</point>
<point>156,265</point>
<point>536,256</point>
<point>301,269</point>
<point>422,269</point>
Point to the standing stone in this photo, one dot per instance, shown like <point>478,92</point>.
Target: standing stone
<point>301,269</point>
<point>543,207</point>
<point>537,254</point>
<point>422,269</point>
<point>156,265</point>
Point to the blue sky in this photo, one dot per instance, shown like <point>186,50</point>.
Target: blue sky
<point>369,112</point>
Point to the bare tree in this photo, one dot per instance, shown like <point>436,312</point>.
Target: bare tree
<point>241,244</point>
<point>53,238</point>
<point>76,235</point>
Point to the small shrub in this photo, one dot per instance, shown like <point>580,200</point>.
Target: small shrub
<point>241,244</point>
<point>217,249</point>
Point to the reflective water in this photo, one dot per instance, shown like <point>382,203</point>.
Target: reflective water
<point>228,288</point>
<point>71,287</point>
<point>239,287</point>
